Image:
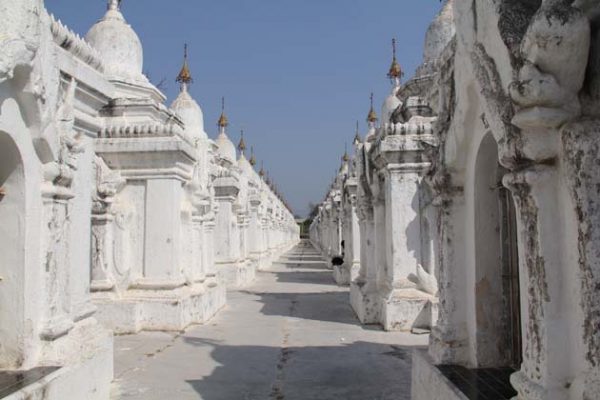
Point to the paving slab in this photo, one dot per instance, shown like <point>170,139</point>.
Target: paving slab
<point>292,335</point>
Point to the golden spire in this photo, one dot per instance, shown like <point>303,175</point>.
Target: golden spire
<point>242,144</point>
<point>185,76</point>
<point>223,121</point>
<point>395,72</point>
<point>252,158</point>
<point>345,157</point>
<point>372,117</point>
<point>357,136</point>
<point>262,170</point>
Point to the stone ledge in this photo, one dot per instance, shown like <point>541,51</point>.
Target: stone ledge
<point>408,309</point>
<point>237,274</point>
<point>428,382</point>
<point>88,378</point>
<point>162,311</point>
<point>365,305</point>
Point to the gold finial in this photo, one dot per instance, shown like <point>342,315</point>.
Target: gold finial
<point>357,135</point>
<point>262,170</point>
<point>395,72</point>
<point>252,158</point>
<point>372,117</point>
<point>345,157</point>
<point>242,144</point>
<point>185,76</point>
<point>223,121</point>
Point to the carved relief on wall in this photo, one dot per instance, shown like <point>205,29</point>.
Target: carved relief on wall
<point>555,52</point>
<point>19,35</point>
<point>110,220</point>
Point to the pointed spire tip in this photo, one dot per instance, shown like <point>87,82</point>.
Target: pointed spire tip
<point>395,73</point>
<point>223,121</point>
<point>185,76</point>
<point>372,117</point>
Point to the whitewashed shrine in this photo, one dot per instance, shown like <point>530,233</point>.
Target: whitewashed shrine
<point>111,203</point>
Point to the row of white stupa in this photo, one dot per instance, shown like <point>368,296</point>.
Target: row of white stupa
<point>117,212</point>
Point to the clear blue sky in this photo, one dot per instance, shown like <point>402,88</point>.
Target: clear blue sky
<point>296,74</point>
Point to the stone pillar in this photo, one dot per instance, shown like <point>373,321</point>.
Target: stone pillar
<point>554,183</point>
<point>362,224</point>
<point>448,343</point>
<point>403,305</point>
<point>227,235</point>
<point>80,224</point>
<point>581,146</point>
<point>215,288</point>
<point>354,243</point>
<point>56,194</point>
<point>150,292</point>
<point>255,234</point>
<point>105,213</point>
<point>209,254</point>
<point>401,163</point>
<point>198,259</point>
<point>347,272</point>
<point>363,291</point>
<point>379,271</point>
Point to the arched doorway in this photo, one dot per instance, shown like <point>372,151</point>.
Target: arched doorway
<point>12,253</point>
<point>498,326</point>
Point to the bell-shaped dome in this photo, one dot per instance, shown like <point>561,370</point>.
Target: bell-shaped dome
<point>190,113</point>
<point>226,147</point>
<point>391,104</point>
<point>185,106</point>
<point>118,44</point>
<point>440,32</point>
<point>245,166</point>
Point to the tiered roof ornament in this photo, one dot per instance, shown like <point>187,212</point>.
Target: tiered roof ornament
<point>184,105</point>
<point>345,157</point>
<point>392,102</point>
<point>185,76</point>
<point>226,147</point>
<point>252,160</point>
<point>242,144</point>
<point>223,121</point>
<point>372,116</point>
<point>357,135</point>
<point>395,73</point>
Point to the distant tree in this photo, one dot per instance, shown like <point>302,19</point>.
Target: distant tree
<point>160,85</point>
<point>313,210</point>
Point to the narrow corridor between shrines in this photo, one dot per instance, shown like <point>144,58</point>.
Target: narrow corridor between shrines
<point>292,335</point>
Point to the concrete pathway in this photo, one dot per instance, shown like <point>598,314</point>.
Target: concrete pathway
<point>290,336</point>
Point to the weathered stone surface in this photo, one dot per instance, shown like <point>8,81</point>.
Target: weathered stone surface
<point>291,334</point>
<point>492,152</point>
<point>109,203</point>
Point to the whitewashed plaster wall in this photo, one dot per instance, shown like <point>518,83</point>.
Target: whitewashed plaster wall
<point>89,150</point>
<point>532,96</point>
<point>47,126</point>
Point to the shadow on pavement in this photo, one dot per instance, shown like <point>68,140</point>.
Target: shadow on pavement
<point>321,306</point>
<point>355,371</point>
